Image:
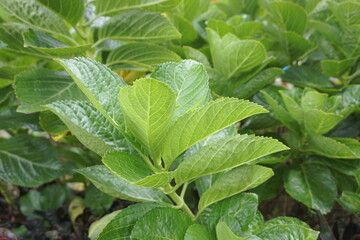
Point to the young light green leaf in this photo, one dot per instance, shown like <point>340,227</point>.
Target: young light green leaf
<point>162,223</point>
<point>140,56</point>
<point>320,122</point>
<point>38,87</point>
<point>188,79</point>
<point>233,182</point>
<point>45,21</point>
<point>134,170</point>
<point>90,126</point>
<point>99,84</point>
<point>231,55</point>
<point>239,210</point>
<point>335,68</point>
<point>194,126</point>
<point>235,151</point>
<point>350,201</point>
<point>197,232</point>
<point>329,147</point>
<point>70,10</point>
<point>110,184</point>
<point>311,184</point>
<point>280,112</point>
<point>111,7</point>
<point>287,228</point>
<point>50,46</point>
<point>138,25</point>
<point>289,16</point>
<point>148,107</point>
<point>223,232</point>
<point>121,226</point>
<point>28,161</point>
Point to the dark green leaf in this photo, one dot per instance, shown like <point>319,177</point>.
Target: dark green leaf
<point>38,87</point>
<point>28,161</point>
<point>311,184</point>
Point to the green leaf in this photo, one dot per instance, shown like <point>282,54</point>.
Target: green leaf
<point>258,82</point>
<point>138,25</point>
<point>28,161</point>
<point>99,84</point>
<point>45,20</point>
<point>295,44</point>
<point>38,87</point>
<point>107,182</point>
<point>134,170</point>
<point>188,79</point>
<point>233,182</point>
<point>350,100</point>
<point>350,201</point>
<point>148,107</point>
<point>195,124</point>
<point>329,147</point>
<point>235,151</point>
<point>311,184</point>
<point>335,68</point>
<point>289,16</point>
<point>10,118</point>
<point>50,46</point>
<point>98,226</point>
<point>197,232</point>
<point>186,28</point>
<point>287,228</point>
<point>121,226</point>
<point>11,36</point>
<point>140,56</point>
<point>70,10</point>
<point>89,126</point>
<point>5,93</point>
<point>111,7</point>
<point>232,56</point>
<point>220,27</point>
<point>240,210</point>
<point>347,12</point>
<point>162,223</point>
<point>192,53</point>
<point>305,76</point>
<point>51,123</point>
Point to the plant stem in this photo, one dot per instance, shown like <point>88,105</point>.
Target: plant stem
<point>179,201</point>
<point>5,192</point>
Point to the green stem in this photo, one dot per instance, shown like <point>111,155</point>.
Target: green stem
<point>5,192</point>
<point>179,201</point>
